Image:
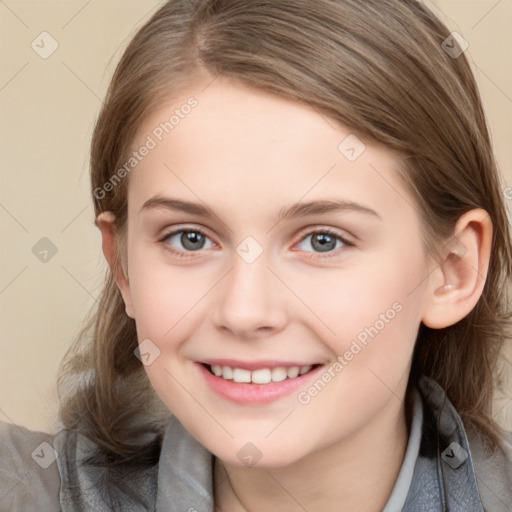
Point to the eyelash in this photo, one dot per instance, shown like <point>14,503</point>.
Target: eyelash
<point>314,255</point>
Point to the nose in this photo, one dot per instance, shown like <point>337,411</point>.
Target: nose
<point>250,301</point>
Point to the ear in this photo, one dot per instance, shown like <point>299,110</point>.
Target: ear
<point>457,283</point>
<point>106,224</point>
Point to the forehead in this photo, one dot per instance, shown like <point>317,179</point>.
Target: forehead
<point>248,147</point>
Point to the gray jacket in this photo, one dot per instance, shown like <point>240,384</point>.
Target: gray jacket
<point>43,472</point>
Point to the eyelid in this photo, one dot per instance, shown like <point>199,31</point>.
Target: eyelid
<point>328,230</point>
<point>176,230</point>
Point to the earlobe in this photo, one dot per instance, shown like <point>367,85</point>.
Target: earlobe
<point>457,284</point>
<point>106,224</point>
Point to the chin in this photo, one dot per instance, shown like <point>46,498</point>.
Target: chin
<point>262,455</point>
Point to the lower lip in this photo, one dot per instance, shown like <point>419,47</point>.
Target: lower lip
<point>247,393</point>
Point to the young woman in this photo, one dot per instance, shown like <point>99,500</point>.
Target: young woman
<point>309,258</point>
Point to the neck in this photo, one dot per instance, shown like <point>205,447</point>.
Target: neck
<point>357,473</point>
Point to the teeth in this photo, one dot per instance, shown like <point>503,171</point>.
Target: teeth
<point>263,376</point>
<point>293,372</point>
<point>279,374</point>
<point>260,376</point>
<point>305,369</point>
<point>240,375</point>
<point>227,372</point>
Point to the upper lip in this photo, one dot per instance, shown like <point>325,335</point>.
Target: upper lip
<point>255,365</point>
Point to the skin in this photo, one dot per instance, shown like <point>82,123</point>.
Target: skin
<point>246,154</point>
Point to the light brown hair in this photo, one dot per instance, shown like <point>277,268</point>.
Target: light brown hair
<point>376,66</point>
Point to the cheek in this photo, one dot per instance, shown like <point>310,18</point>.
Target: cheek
<point>376,322</point>
<point>367,302</point>
<point>165,301</point>
<point>376,328</point>
<point>161,303</point>
<point>163,296</point>
<point>375,317</point>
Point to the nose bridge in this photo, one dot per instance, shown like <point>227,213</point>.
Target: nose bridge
<point>249,297</point>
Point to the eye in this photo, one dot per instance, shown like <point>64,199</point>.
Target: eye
<point>194,240</point>
<point>325,241</point>
<point>191,240</point>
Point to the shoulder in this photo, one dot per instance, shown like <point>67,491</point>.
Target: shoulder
<point>29,475</point>
<point>91,482</point>
<point>493,471</point>
<point>489,474</point>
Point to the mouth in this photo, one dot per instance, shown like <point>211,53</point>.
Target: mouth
<point>260,376</point>
<point>256,383</point>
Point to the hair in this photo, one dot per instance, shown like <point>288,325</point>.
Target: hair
<point>375,66</point>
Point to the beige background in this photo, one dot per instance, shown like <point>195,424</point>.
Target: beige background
<point>47,110</point>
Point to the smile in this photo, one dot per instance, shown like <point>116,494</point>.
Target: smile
<point>256,383</point>
<point>260,375</point>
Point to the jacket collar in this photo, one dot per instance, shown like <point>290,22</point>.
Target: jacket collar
<point>185,472</point>
<point>444,476</point>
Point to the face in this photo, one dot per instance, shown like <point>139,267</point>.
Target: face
<point>256,283</point>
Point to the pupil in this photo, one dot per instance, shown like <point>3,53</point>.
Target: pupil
<point>327,242</point>
<point>191,238</point>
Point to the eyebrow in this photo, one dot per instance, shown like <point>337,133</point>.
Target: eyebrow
<point>295,210</point>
